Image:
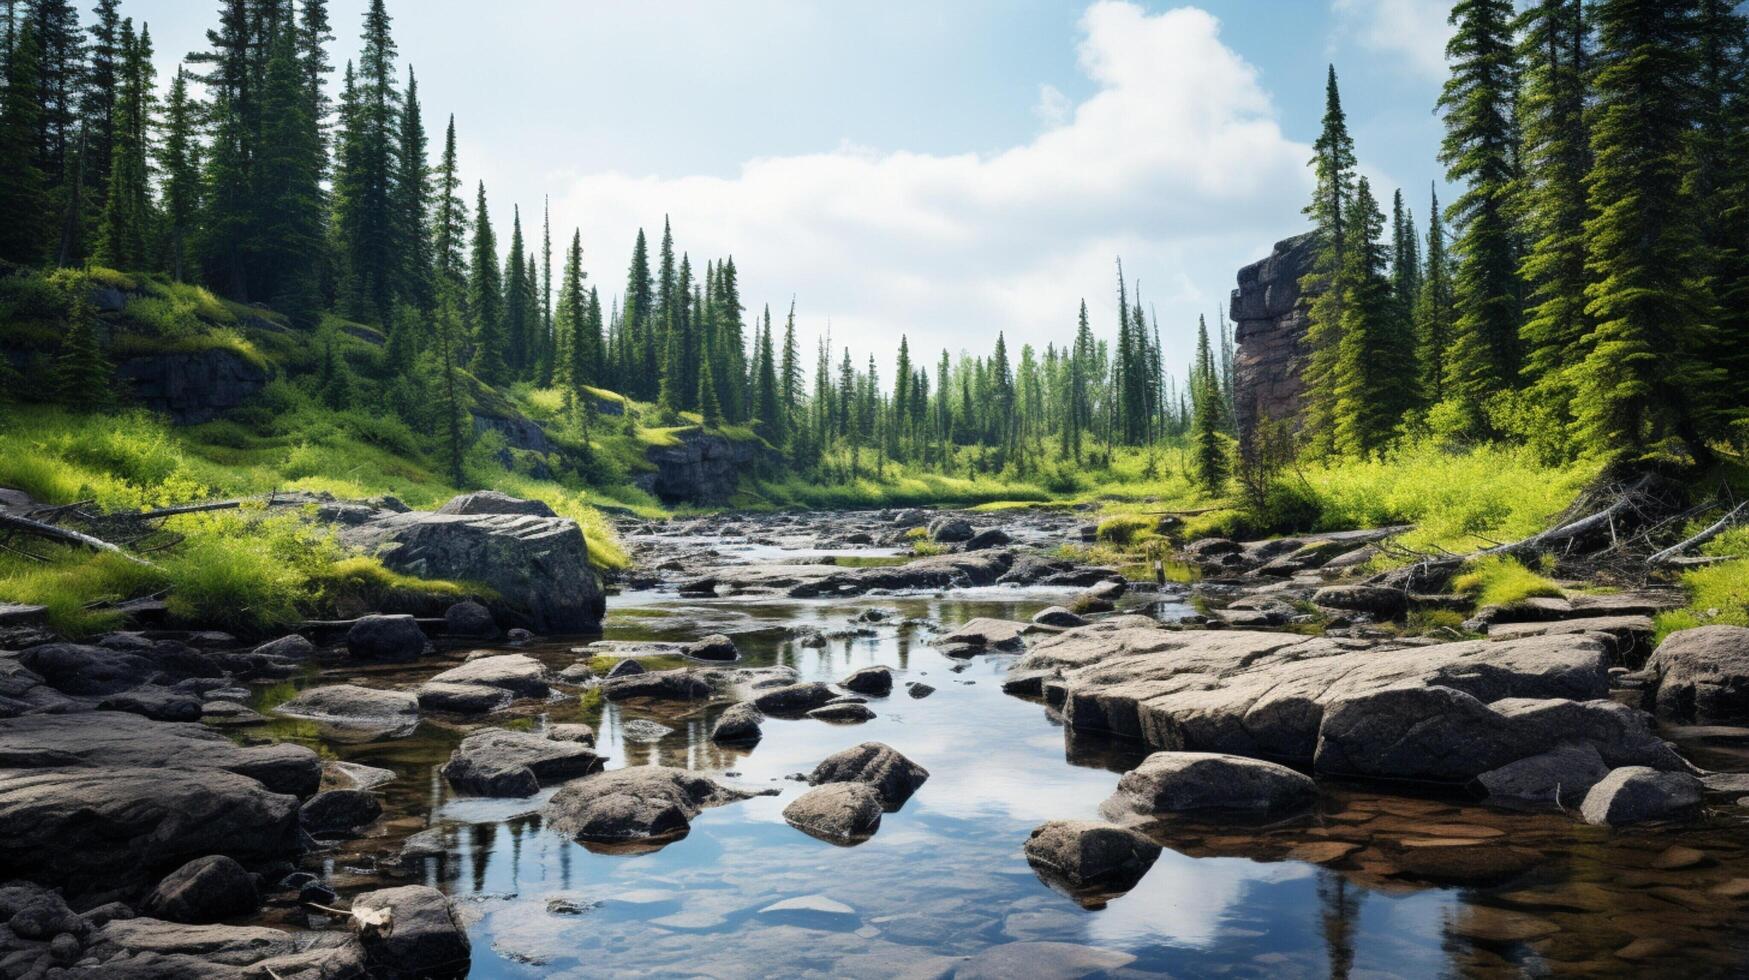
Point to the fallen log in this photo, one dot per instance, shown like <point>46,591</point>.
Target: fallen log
<point>52,532</point>
<point>1666,556</point>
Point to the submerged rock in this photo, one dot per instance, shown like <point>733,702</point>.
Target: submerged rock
<point>842,813</point>
<point>874,681</point>
<point>496,762</point>
<point>657,685</point>
<point>892,775</point>
<point>794,699</point>
<point>984,635</point>
<point>715,647</point>
<point>1059,617</point>
<point>844,712</point>
<point>1177,782</point>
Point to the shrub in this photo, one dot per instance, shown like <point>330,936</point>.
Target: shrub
<point>1126,529</point>
<point>1498,580</point>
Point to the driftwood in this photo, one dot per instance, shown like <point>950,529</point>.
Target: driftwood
<point>52,532</point>
<point>1668,555</point>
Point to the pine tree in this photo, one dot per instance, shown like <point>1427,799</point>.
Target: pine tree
<point>1371,388</point>
<point>1333,165</point>
<point>572,322</point>
<point>768,404</point>
<point>486,299</point>
<point>288,192</point>
<point>517,332</point>
<point>24,232</point>
<point>1645,376</point>
<point>447,337</point>
<point>1479,151</point>
<point>1434,311</point>
<point>105,57</point>
<point>449,229</point>
<point>1717,179</point>
<point>637,321</point>
<point>313,36</point>
<point>1558,154</point>
<point>364,180</point>
<point>227,227</point>
<point>546,290</point>
<point>82,374</point>
<point>412,204</point>
<point>179,162</point>
<point>124,240</point>
<point>791,379</point>
<point>1206,411</point>
<point>60,157</point>
<point>710,409</point>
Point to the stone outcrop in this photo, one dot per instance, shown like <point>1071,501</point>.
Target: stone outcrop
<point>699,468</point>
<point>1450,711</point>
<point>1701,674</point>
<point>537,567</point>
<point>638,803</point>
<point>191,387</point>
<point>1269,332</point>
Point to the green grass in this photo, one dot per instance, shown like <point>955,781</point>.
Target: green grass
<point>1127,529</point>
<point>1498,580</point>
<point>1717,594</point>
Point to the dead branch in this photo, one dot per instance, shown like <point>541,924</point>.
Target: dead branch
<point>153,515</point>
<point>51,532</point>
<point>1703,537</point>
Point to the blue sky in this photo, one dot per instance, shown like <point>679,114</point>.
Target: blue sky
<point>944,170</point>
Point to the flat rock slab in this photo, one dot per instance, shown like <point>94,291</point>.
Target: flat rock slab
<point>517,673</point>
<point>343,704</point>
<point>1177,782</point>
<point>1630,636</point>
<point>101,829</point>
<point>657,685</point>
<point>984,635</point>
<point>498,762</point>
<point>130,741</point>
<point>925,574</point>
<point>1266,694</point>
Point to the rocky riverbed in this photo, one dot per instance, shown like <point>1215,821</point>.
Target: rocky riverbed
<point>793,750</point>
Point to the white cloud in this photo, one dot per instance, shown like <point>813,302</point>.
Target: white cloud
<point>1175,161</point>
<point>1416,30</point>
<point>1053,106</point>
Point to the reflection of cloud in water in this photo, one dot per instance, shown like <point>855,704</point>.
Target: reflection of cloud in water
<point>1185,901</point>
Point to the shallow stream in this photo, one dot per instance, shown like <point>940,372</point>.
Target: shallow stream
<point>744,894</point>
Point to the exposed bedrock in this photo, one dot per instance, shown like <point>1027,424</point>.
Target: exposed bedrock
<point>1447,712</point>
<point>1269,331</point>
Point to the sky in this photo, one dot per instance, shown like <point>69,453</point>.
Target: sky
<point>943,171</point>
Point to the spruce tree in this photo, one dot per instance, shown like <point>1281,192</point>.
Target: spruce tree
<point>364,180</point>
<point>449,229</point>
<point>1371,386</point>
<point>288,193</point>
<point>179,162</point>
<point>710,409</point>
<point>790,382</point>
<point>768,406</point>
<point>1645,376</point>
<point>23,201</point>
<point>82,374</point>
<point>1434,311</point>
<point>447,340</point>
<point>105,58</point>
<point>1206,409</point>
<point>1333,166</point>
<point>227,226</point>
<point>412,204</point>
<point>1717,179</point>
<point>1557,152</point>
<point>572,322</point>
<point>124,238</point>
<point>1479,152</point>
<point>486,299</point>
<point>636,323</point>
<point>518,339</point>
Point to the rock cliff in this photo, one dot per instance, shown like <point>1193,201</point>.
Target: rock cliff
<point>192,387</point>
<point>1269,320</point>
<point>700,468</point>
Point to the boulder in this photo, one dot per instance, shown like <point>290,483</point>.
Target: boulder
<point>716,647</point>
<point>518,673</point>
<point>1432,733</point>
<point>469,618</point>
<point>1206,548</point>
<point>1370,599</point>
<point>1633,794</point>
<point>892,775</point>
<point>494,502</point>
<point>87,671</point>
<point>993,537</point>
<point>700,467</point>
<point>657,685</point>
<point>109,829</point>
<point>1091,859</point>
<point>538,567</point>
<point>794,699</point>
<point>497,762</point>
<point>950,530</point>
<point>625,668</point>
<point>462,699</point>
<point>918,690</point>
<point>1176,782</point>
<point>130,741</point>
<point>738,725</point>
<point>635,804</point>
<point>425,937</point>
<point>1699,674</point>
<point>395,639</point>
<point>292,647</point>
<point>154,702</point>
<point>1059,617</point>
<point>1556,779</point>
<point>206,889</point>
<point>842,813</point>
<point>338,811</point>
<point>874,681</point>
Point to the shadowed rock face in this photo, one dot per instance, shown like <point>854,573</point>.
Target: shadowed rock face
<point>700,468</point>
<point>191,387</point>
<point>1269,330</point>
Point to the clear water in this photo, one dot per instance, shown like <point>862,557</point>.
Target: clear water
<point>945,879</point>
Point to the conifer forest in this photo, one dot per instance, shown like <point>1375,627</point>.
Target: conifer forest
<point>402,576</point>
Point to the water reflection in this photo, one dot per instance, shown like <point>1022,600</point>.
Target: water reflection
<point>1363,885</point>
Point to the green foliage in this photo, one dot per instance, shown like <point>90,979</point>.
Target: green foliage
<point>1126,529</point>
<point>1499,580</point>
